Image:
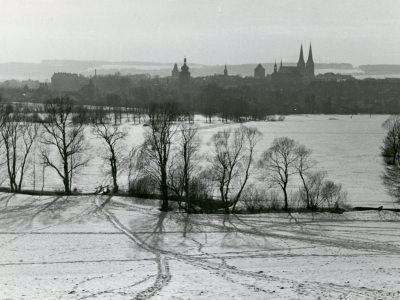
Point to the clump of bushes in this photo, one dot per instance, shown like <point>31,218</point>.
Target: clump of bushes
<point>143,187</point>
<point>321,195</point>
<point>258,200</point>
<point>324,196</point>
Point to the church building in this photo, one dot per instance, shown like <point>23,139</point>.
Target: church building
<point>303,70</point>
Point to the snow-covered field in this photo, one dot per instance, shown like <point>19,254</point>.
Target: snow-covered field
<point>79,248</point>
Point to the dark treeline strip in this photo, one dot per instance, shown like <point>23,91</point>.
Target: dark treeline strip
<point>231,98</point>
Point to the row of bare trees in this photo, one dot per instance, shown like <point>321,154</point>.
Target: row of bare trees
<point>170,158</point>
<point>60,138</point>
<point>64,132</point>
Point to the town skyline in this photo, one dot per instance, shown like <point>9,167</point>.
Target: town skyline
<point>210,33</point>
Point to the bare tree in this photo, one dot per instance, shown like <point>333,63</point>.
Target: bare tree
<point>133,167</point>
<point>321,192</point>
<point>65,137</point>
<point>303,165</point>
<point>279,163</point>
<point>232,162</point>
<point>184,163</point>
<point>156,147</point>
<point>112,136</point>
<point>390,152</point>
<point>18,138</point>
<point>312,191</point>
<point>334,195</point>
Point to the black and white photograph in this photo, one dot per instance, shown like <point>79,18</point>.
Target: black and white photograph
<point>187,149</point>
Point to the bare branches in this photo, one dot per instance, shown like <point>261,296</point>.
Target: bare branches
<point>233,157</point>
<point>18,137</point>
<point>112,136</point>
<point>157,144</point>
<point>318,192</point>
<point>64,137</point>
<point>279,163</point>
<point>303,166</point>
<point>183,164</point>
<point>390,152</point>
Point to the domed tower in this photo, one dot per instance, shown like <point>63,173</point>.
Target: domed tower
<point>184,76</point>
<point>310,65</point>
<point>301,65</point>
<point>225,71</point>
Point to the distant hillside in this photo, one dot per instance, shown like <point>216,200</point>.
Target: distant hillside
<point>380,69</point>
<point>47,68</point>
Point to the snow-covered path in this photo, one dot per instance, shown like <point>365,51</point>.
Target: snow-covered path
<point>100,247</point>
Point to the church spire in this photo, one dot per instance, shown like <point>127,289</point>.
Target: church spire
<point>310,65</point>
<point>310,58</point>
<point>301,58</point>
<point>301,65</point>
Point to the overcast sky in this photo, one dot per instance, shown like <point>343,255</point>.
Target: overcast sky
<point>209,32</point>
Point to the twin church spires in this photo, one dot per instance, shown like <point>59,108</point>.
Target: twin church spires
<point>306,69</point>
<point>303,69</point>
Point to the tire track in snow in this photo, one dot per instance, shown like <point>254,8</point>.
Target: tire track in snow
<point>326,287</point>
<point>229,272</point>
<point>310,238</point>
<point>163,273</point>
<point>109,291</point>
<point>21,235</point>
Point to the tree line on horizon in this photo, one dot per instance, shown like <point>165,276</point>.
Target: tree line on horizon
<point>232,98</point>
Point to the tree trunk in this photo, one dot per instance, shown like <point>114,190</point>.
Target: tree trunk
<point>306,189</point>
<point>226,205</point>
<point>286,198</point>
<point>66,177</point>
<point>114,173</point>
<point>164,190</point>
<point>66,185</point>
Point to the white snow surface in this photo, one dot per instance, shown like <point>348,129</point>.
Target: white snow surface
<point>104,247</point>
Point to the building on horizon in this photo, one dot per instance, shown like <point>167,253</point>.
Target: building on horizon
<point>259,71</point>
<point>89,91</point>
<point>175,72</point>
<point>303,70</point>
<point>67,82</point>
<point>184,86</point>
<point>184,76</point>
